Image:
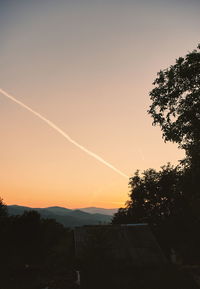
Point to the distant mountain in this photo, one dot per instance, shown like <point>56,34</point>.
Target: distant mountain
<point>58,210</point>
<point>94,210</point>
<point>67,217</point>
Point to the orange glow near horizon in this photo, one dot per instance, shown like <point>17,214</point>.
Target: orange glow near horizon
<point>91,78</point>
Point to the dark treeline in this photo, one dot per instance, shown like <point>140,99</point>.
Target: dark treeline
<point>169,199</point>
<point>35,252</point>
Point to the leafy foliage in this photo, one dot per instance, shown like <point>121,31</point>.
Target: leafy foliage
<point>169,199</point>
<point>40,250</point>
<point>159,198</point>
<point>176,108</point>
<point>3,209</point>
<point>176,101</point>
<point>154,196</point>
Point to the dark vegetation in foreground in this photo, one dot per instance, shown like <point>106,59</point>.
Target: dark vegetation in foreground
<point>35,252</point>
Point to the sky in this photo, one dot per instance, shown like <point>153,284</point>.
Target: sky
<point>88,66</point>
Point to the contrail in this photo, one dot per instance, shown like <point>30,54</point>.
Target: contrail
<point>51,124</point>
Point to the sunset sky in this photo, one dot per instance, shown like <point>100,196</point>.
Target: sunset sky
<point>88,66</point>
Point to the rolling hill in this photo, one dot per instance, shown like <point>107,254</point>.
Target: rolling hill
<point>67,217</point>
<point>95,210</point>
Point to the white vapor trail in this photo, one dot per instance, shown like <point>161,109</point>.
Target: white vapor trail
<point>66,136</point>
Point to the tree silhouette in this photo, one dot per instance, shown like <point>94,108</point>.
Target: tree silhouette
<point>176,107</point>
<point>169,199</point>
<point>176,101</point>
<point>35,251</point>
<point>157,198</point>
<point>3,209</point>
<point>154,196</point>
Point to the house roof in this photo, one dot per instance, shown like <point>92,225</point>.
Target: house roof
<point>132,243</point>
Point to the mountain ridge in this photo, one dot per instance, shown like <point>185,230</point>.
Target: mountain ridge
<point>93,210</point>
<point>65,216</point>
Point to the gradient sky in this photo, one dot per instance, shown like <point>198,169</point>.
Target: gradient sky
<point>87,66</point>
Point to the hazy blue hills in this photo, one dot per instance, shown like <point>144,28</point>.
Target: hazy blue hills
<point>67,217</point>
<point>95,210</point>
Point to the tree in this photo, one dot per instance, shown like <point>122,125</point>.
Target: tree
<point>154,197</point>
<point>176,103</point>
<point>3,209</point>
<point>157,198</point>
<point>176,108</point>
<point>169,199</point>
